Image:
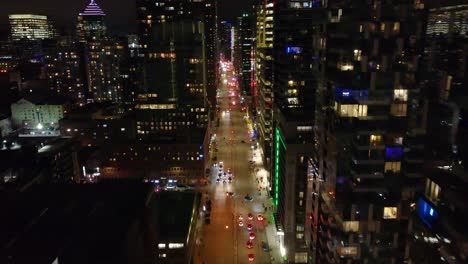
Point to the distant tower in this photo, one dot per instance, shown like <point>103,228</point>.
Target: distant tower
<point>91,24</point>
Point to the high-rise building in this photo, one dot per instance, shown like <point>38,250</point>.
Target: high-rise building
<point>264,75</point>
<point>225,44</point>
<point>172,109</point>
<point>130,68</point>
<point>151,14</point>
<point>210,15</point>
<point>448,19</point>
<point>29,26</point>
<point>64,69</point>
<point>91,24</point>
<point>101,56</point>
<point>244,65</point>
<point>369,145</point>
<point>294,87</point>
<point>440,213</point>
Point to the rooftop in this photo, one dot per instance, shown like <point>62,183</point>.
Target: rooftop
<point>92,9</point>
<point>48,221</point>
<point>88,223</point>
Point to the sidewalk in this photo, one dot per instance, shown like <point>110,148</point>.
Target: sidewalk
<point>270,230</point>
<point>272,240</point>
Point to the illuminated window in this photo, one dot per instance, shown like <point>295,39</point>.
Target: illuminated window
<point>390,213</point>
<point>176,245</point>
<point>292,92</point>
<point>161,246</point>
<point>396,27</point>
<point>398,109</point>
<point>375,140</point>
<point>400,95</point>
<point>293,101</point>
<point>351,226</point>
<point>353,110</point>
<point>432,190</point>
<point>304,128</point>
<point>194,61</point>
<point>357,54</point>
<point>392,166</point>
<point>345,66</point>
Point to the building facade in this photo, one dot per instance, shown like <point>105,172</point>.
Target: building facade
<point>294,93</point>
<point>35,112</point>
<point>264,76</point>
<point>29,26</point>
<point>370,137</point>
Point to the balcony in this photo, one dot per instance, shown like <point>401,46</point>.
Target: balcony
<point>367,161</point>
<point>369,175</point>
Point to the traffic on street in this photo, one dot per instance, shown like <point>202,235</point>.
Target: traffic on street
<point>237,218</point>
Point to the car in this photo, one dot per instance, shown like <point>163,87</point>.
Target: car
<point>251,257</point>
<point>242,141</point>
<point>229,179</point>
<point>190,187</point>
<point>220,166</point>
<point>241,223</point>
<point>214,158</point>
<point>224,181</point>
<point>248,198</point>
<point>249,227</point>
<point>220,174</point>
<point>229,194</point>
<point>181,187</point>
<point>265,246</point>
<point>252,235</point>
<point>260,217</point>
<point>170,186</point>
<point>229,170</point>
<point>240,218</point>
<point>218,180</point>
<point>225,174</point>
<point>215,164</point>
<point>250,216</point>
<point>249,244</point>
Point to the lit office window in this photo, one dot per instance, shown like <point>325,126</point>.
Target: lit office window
<point>392,166</point>
<point>398,109</point>
<point>351,226</point>
<point>400,95</point>
<point>390,213</point>
<point>375,140</point>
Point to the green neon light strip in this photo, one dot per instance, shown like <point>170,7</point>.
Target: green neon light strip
<point>278,139</point>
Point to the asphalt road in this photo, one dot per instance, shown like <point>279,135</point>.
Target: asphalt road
<point>223,241</point>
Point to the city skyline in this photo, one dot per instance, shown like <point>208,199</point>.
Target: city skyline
<point>234,132</point>
<point>121,16</point>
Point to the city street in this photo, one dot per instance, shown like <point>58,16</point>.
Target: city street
<point>223,240</point>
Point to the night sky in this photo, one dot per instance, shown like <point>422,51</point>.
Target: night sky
<point>120,13</point>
